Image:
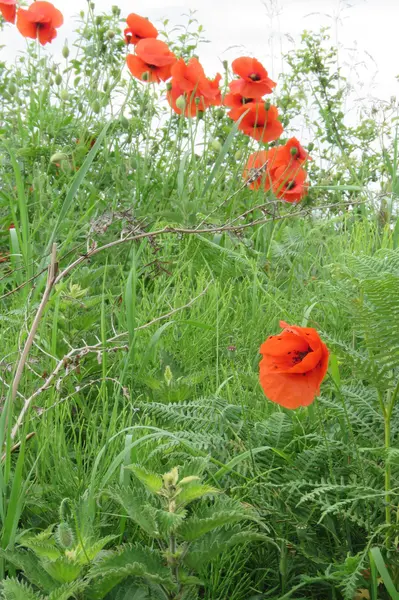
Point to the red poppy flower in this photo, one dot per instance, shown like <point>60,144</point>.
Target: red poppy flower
<point>153,61</point>
<point>236,100</point>
<point>289,187</point>
<point>191,91</point>
<point>138,28</point>
<point>8,9</point>
<point>259,122</point>
<point>255,171</point>
<point>293,366</point>
<point>291,156</point>
<point>40,21</point>
<point>254,81</point>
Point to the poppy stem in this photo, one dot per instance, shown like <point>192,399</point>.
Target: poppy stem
<point>391,401</point>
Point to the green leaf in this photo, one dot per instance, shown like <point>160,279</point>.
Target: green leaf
<point>151,480</point>
<point>12,589</point>
<point>63,569</point>
<point>194,491</point>
<point>67,591</point>
<point>376,555</point>
<point>195,527</point>
<point>29,564</point>
<point>137,508</point>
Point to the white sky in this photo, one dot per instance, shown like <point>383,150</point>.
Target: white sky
<point>262,28</point>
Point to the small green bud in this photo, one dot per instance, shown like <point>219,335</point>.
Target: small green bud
<point>92,5</point>
<point>58,157</point>
<point>171,478</point>
<point>110,34</point>
<point>65,536</point>
<point>200,114</point>
<point>168,375</point>
<point>219,113</point>
<point>216,145</point>
<point>99,20</point>
<point>238,155</point>
<point>58,79</point>
<point>197,101</point>
<point>124,122</point>
<point>116,11</point>
<point>64,95</point>
<point>168,86</point>
<point>225,65</point>
<point>267,105</point>
<point>65,51</point>
<point>106,85</point>
<point>145,76</point>
<point>96,107</point>
<point>294,151</point>
<point>12,88</point>
<point>310,146</point>
<point>181,102</point>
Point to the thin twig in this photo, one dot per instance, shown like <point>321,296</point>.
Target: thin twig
<point>79,352</point>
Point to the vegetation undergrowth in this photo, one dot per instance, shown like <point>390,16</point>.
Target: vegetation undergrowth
<point>149,244</point>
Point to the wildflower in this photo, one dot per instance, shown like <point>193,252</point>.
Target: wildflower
<point>291,156</point>
<point>152,62</point>
<point>191,92</point>
<point>293,366</point>
<point>40,21</point>
<point>236,100</point>
<point>8,10</point>
<point>138,28</point>
<point>289,187</point>
<point>260,121</point>
<point>254,81</point>
<point>255,172</point>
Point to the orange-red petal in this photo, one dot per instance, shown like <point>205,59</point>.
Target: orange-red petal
<point>155,52</point>
<point>139,28</point>
<point>8,10</point>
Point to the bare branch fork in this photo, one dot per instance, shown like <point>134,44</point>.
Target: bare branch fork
<point>79,352</point>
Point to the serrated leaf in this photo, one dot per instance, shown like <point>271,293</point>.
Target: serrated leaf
<point>194,527</point>
<point>45,549</point>
<point>63,569</point>
<point>67,591</point>
<point>12,589</point>
<point>31,567</point>
<point>151,480</point>
<point>194,491</point>
<point>137,509</point>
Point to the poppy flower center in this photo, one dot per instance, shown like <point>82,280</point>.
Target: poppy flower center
<point>299,356</point>
<point>254,76</point>
<point>290,185</point>
<point>246,100</point>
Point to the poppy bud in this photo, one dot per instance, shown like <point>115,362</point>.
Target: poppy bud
<point>110,34</point>
<point>116,11</point>
<point>99,20</point>
<point>58,79</point>
<point>105,86</point>
<point>96,107</point>
<point>293,151</point>
<point>64,95</point>
<point>65,51</point>
<point>225,65</point>
<point>58,157</point>
<point>124,122</point>
<point>267,105</point>
<point>310,146</point>
<point>145,76</point>
<point>92,5</point>
<point>168,86</point>
<point>181,102</point>
<point>12,88</point>
<point>200,114</point>
<point>216,145</point>
<point>197,101</point>
<point>219,114</point>
<point>238,155</point>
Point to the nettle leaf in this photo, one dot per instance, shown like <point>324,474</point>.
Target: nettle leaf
<point>169,522</point>
<point>45,549</point>
<point>131,560</point>
<point>63,569</point>
<point>90,549</point>
<point>29,564</point>
<point>194,491</point>
<point>65,592</point>
<point>12,589</point>
<point>137,508</point>
<point>151,480</point>
<point>195,527</point>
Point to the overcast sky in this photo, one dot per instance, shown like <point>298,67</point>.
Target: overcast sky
<point>261,28</point>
